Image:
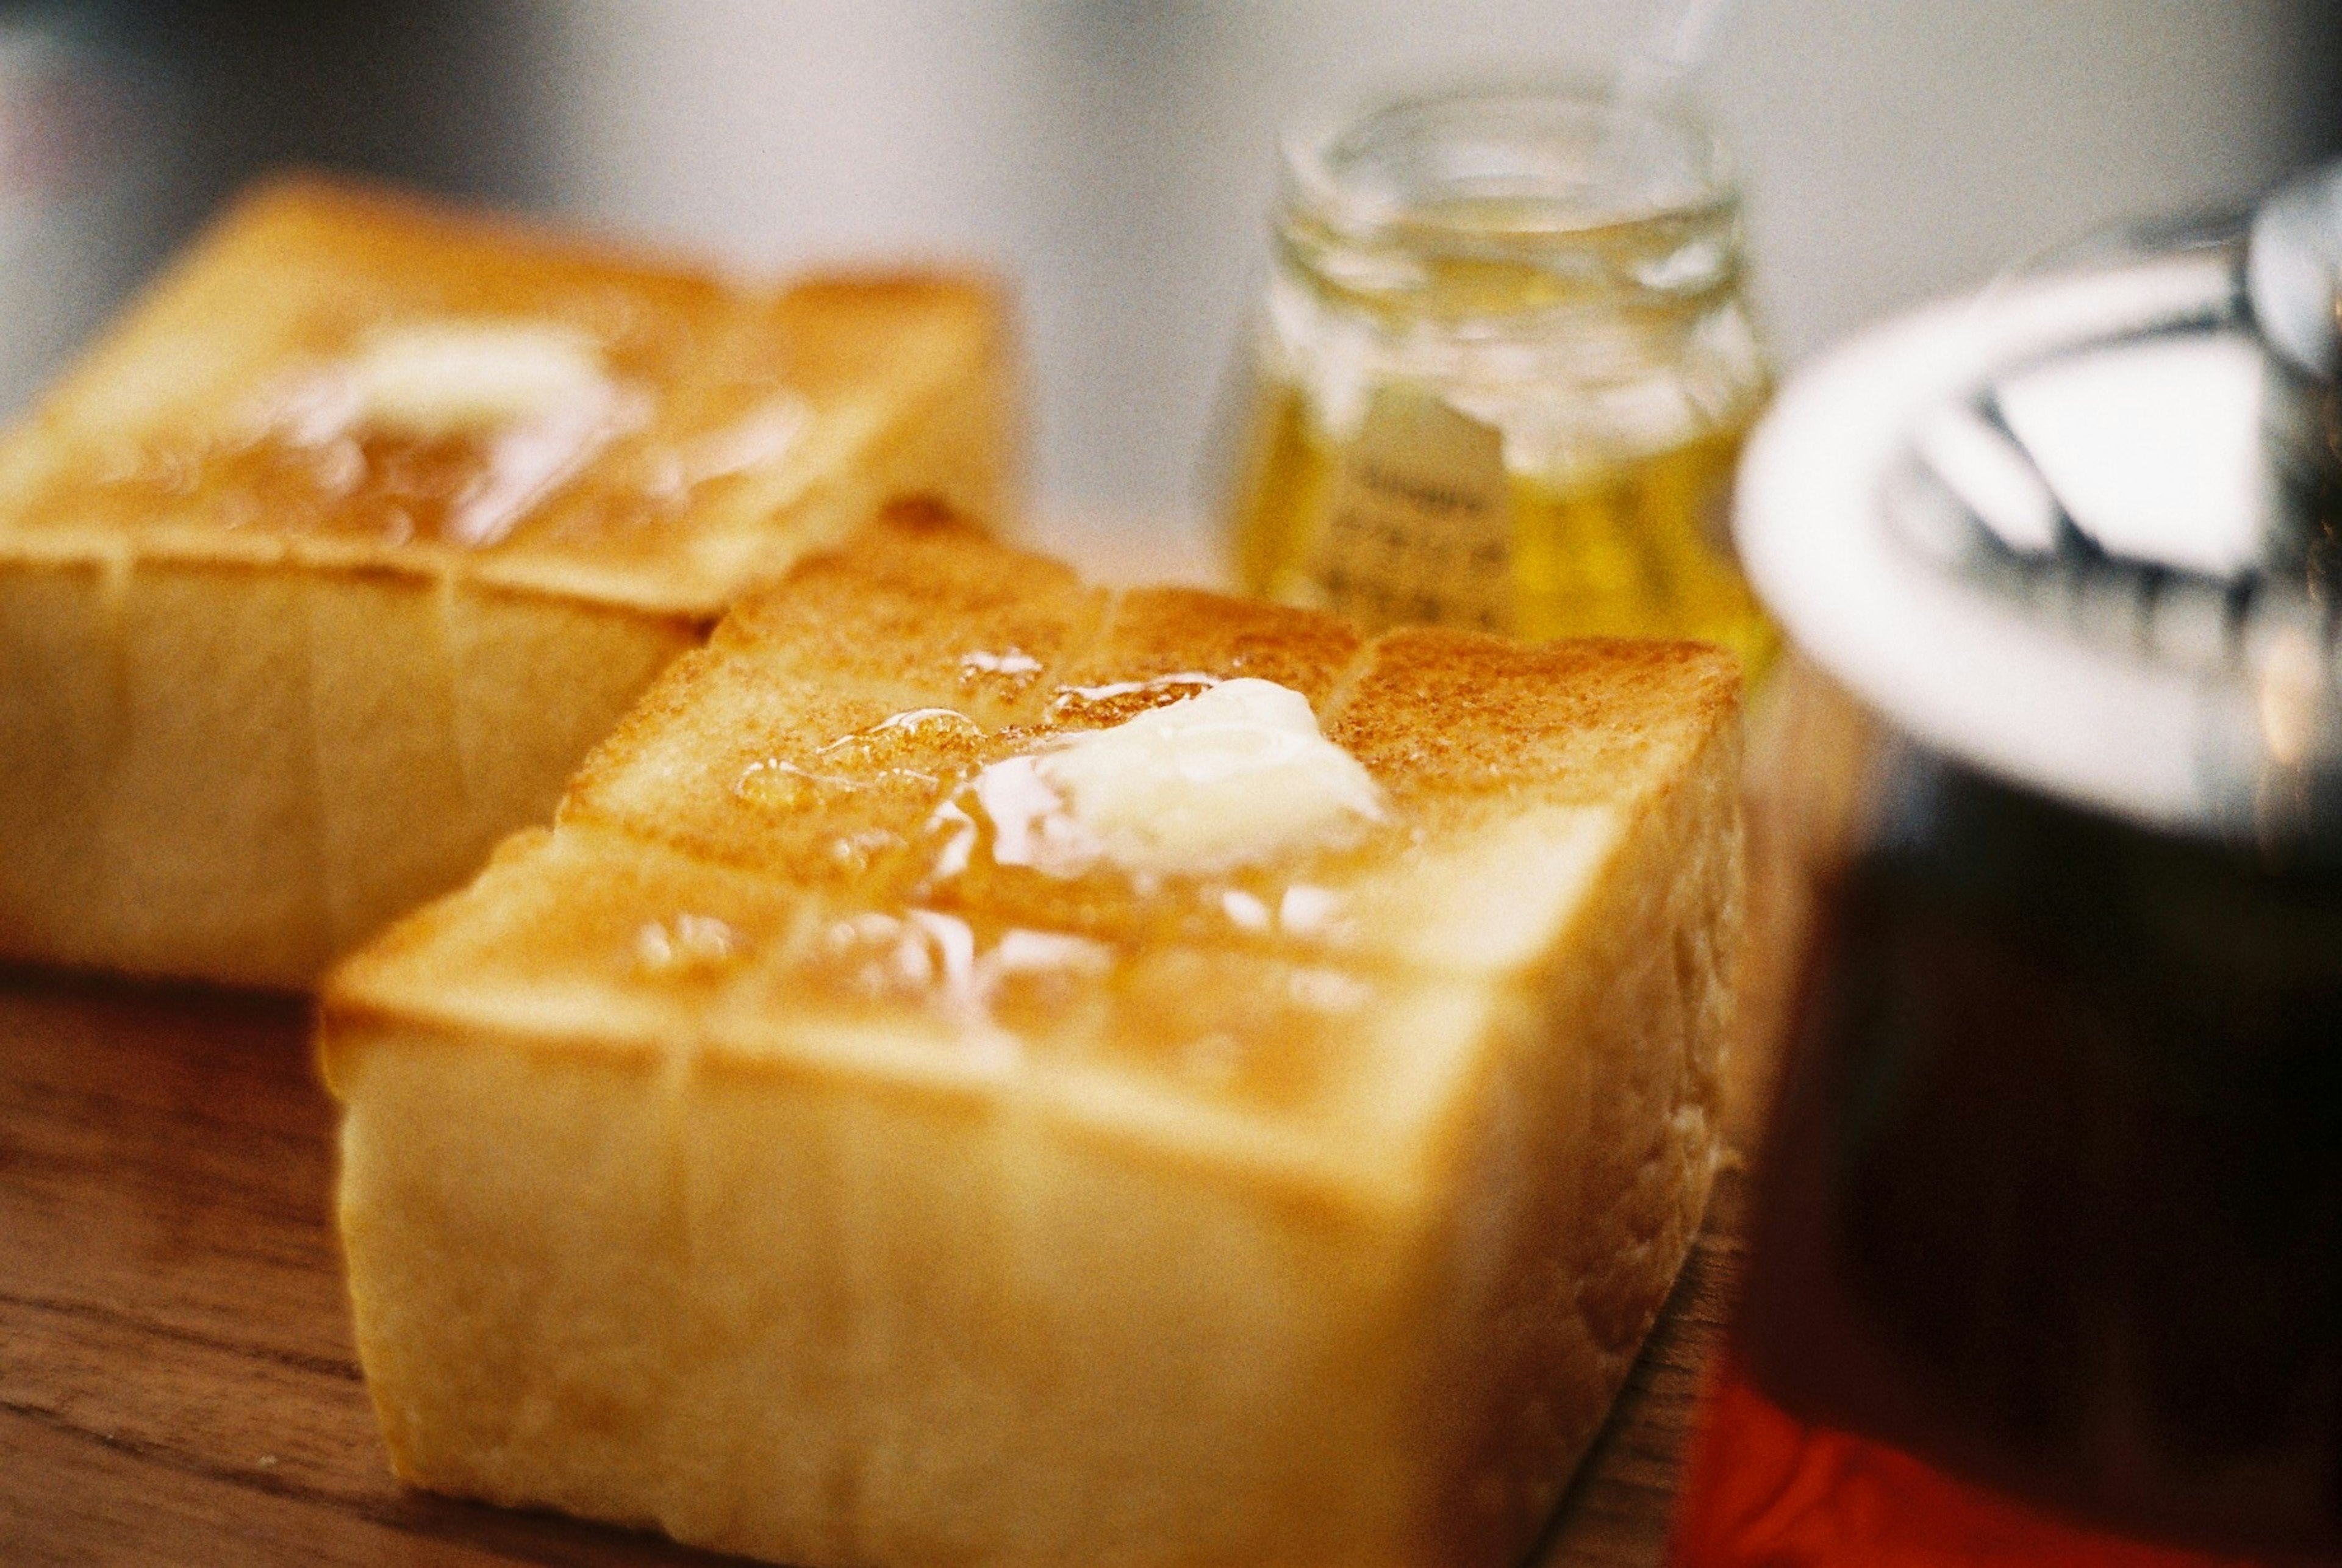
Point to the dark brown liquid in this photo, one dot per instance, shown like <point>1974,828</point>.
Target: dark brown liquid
<point>2053,1199</point>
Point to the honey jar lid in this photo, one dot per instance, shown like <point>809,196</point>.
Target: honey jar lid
<point>2080,530</point>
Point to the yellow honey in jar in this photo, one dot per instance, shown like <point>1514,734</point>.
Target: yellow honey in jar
<point>1504,374</point>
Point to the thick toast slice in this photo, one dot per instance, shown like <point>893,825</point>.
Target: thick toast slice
<point>749,1158</point>
<point>322,571</point>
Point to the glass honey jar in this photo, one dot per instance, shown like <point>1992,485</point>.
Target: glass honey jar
<point>1502,370</point>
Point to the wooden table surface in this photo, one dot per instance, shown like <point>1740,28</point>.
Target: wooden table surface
<point>177,1379</point>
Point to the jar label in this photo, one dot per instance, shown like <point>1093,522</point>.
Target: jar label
<point>1419,524</point>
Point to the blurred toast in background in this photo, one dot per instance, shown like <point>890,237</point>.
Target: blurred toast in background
<point>322,571</point>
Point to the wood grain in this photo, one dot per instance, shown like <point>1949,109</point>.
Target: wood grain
<point>177,1379</point>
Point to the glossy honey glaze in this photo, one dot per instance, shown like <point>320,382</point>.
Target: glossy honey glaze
<point>297,451</point>
<point>920,831</point>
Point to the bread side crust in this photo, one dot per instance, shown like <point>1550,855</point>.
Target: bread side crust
<point>1568,1227</point>
<point>236,772</point>
<point>852,1324</point>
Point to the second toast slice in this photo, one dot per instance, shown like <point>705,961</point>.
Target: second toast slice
<point>322,571</point>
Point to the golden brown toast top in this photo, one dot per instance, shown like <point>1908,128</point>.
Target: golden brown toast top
<point>217,419</point>
<point>758,863</point>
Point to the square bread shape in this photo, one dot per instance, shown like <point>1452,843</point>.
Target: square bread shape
<point>324,567</point>
<point>722,1162</point>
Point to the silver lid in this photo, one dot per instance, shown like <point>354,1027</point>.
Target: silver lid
<point>2294,272</point>
<point>2076,531</point>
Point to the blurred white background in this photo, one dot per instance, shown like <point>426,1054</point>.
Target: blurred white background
<point>1116,160</point>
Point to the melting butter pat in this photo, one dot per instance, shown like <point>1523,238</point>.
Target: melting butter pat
<point>438,379</point>
<point>1237,775</point>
